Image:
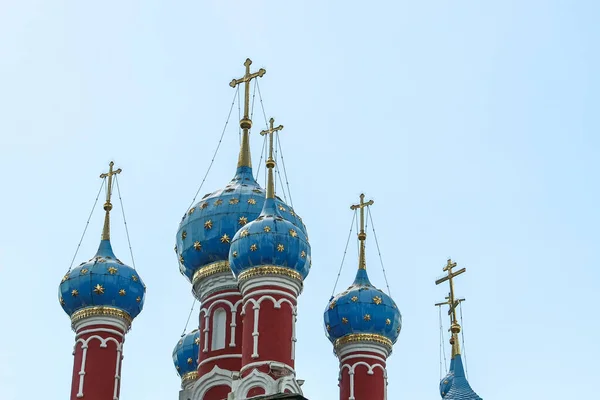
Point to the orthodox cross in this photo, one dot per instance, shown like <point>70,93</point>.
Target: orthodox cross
<point>452,302</point>
<point>108,204</point>
<point>271,161</point>
<point>245,123</point>
<point>362,235</point>
<point>244,159</point>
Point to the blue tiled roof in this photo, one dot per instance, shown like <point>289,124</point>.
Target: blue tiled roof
<point>455,385</point>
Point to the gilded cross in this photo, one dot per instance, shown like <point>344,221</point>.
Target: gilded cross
<point>108,204</point>
<point>362,235</point>
<point>271,161</point>
<point>452,302</point>
<point>245,123</point>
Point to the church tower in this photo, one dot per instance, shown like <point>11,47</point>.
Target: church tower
<point>102,297</point>
<point>362,323</point>
<point>454,386</point>
<point>204,237</point>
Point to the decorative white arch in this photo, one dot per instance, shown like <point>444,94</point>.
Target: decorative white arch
<point>216,377</point>
<point>103,344</point>
<point>370,369</point>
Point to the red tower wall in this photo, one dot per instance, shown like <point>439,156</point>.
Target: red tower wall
<point>269,313</point>
<point>98,354</point>
<point>363,375</point>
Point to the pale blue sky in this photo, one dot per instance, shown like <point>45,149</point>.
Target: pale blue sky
<point>472,124</point>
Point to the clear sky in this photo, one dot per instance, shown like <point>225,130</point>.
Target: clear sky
<point>472,124</point>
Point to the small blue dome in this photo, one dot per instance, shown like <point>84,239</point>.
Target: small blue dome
<point>455,385</point>
<point>362,309</point>
<point>207,229</point>
<point>185,353</point>
<point>270,240</point>
<point>102,281</point>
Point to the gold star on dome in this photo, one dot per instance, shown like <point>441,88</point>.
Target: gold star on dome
<point>189,360</point>
<point>181,259</point>
<point>398,330</point>
<point>281,208</point>
<point>292,213</point>
<point>257,191</point>
<point>377,300</point>
<point>62,301</point>
<point>191,210</point>
<point>242,221</point>
<point>280,247</point>
<point>203,205</point>
<point>134,278</point>
<point>367,317</point>
<point>332,305</point>
<point>99,289</point>
<point>83,271</point>
<point>328,328</point>
<point>74,292</point>
<point>267,228</point>
<point>218,202</point>
<point>197,245</point>
<point>244,233</point>
<point>197,340</point>
<point>100,260</point>
<point>354,298</point>
<point>234,254</point>
<point>254,247</point>
<point>344,320</point>
<point>234,201</point>
<point>64,279</point>
<point>208,224</point>
<point>388,321</point>
<point>138,299</point>
<point>112,270</point>
<point>251,201</point>
<point>225,238</point>
<point>303,254</point>
<point>183,235</point>
<point>122,292</point>
<point>293,233</point>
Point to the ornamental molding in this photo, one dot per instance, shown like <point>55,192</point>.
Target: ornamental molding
<point>381,359</point>
<point>215,283</point>
<point>221,295</point>
<point>260,379</point>
<point>282,282</point>
<point>109,315</point>
<point>271,292</point>
<point>215,358</point>
<point>216,377</point>
<point>98,330</point>
<point>211,269</point>
<point>187,380</point>
<point>352,348</point>
<point>103,344</point>
<point>276,303</point>
<point>363,338</point>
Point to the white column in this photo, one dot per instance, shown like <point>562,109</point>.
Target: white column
<point>255,333</point>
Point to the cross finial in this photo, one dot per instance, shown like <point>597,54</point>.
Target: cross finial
<point>362,235</point>
<point>452,302</point>
<point>108,204</point>
<point>271,161</point>
<point>246,122</point>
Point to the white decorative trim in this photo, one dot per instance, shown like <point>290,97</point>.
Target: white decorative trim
<point>205,331</point>
<point>207,311</point>
<point>294,319</point>
<point>363,356</point>
<point>84,348</point>
<point>260,282</point>
<point>255,333</point>
<point>215,283</point>
<point>269,291</point>
<point>370,368</point>
<point>117,376</point>
<point>216,377</point>
<point>221,295</point>
<point>210,359</point>
<point>271,386</point>
<point>106,330</point>
<point>103,320</point>
<point>269,363</point>
<point>354,347</point>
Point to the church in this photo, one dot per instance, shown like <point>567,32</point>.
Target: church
<point>246,254</point>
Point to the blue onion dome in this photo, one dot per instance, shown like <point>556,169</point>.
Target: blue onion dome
<point>455,385</point>
<point>185,355</point>
<point>270,241</point>
<point>207,229</point>
<point>363,309</point>
<point>104,281</point>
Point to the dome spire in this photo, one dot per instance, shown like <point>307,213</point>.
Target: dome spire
<point>362,235</point>
<point>452,302</point>
<point>271,161</point>
<point>108,204</point>
<point>244,159</point>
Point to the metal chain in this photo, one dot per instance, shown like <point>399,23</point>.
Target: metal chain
<point>344,256</point>
<point>86,225</point>
<point>379,252</point>
<point>189,317</point>
<point>216,150</point>
<point>125,221</point>
<point>442,344</point>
